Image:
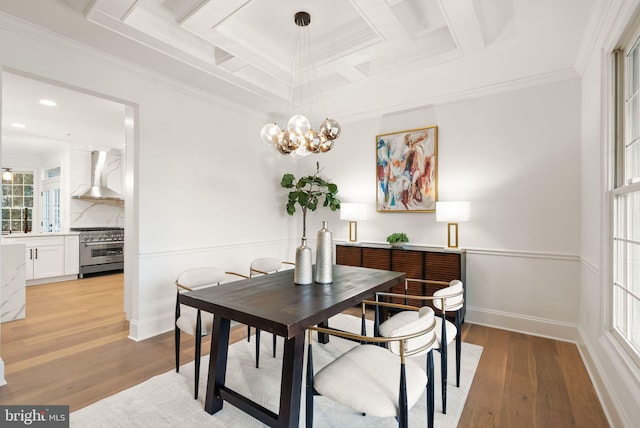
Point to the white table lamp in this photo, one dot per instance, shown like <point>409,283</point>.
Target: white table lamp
<point>353,213</point>
<point>453,213</point>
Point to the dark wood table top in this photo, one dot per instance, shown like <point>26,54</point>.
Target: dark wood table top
<point>274,303</point>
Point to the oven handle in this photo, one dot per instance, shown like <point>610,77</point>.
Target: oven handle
<point>89,244</point>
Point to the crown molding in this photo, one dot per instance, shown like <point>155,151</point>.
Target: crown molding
<point>71,46</point>
<point>477,92</point>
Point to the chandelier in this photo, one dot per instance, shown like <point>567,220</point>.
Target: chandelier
<point>298,138</point>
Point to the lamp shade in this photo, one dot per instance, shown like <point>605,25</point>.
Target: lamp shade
<point>352,211</point>
<point>7,174</point>
<point>453,211</point>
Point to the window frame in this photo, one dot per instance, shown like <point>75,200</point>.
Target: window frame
<point>51,209</point>
<point>618,187</point>
<point>33,214</point>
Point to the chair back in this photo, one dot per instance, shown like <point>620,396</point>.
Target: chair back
<point>424,321</point>
<point>264,265</point>
<point>200,277</point>
<point>453,296</point>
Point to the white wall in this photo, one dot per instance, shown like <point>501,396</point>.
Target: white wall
<point>516,157</point>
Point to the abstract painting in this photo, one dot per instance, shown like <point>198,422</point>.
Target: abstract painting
<point>406,170</point>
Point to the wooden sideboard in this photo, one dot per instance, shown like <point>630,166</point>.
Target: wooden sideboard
<point>415,261</point>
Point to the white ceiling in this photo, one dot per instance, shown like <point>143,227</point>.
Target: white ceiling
<point>78,120</point>
<point>369,56</point>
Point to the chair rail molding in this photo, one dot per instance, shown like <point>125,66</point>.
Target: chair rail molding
<point>524,254</point>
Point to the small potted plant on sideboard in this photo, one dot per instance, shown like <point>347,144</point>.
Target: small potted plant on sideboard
<point>397,239</point>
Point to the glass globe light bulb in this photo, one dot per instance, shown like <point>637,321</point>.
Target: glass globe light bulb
<point>330,128</point>
<point>288,141</point>
<point>298,125</point>
<point>269,134</point>
<point>326,145</point>
<point>313,140</point>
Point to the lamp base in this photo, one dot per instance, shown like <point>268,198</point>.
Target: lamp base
<point>353,231</point>
<point>452,235</point>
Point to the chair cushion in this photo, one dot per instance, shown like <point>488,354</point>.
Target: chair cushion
<point>266,264</point>
<point>187,321</point>
<point>202,276</point>
<point>452,303</point>
<point>451,330</point>
<point>408,322</point>
<point>367,379</point>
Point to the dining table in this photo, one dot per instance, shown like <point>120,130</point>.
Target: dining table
<point>276,304</point>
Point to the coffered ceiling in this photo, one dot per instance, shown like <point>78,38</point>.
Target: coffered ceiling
<point>354,44</point>
<point>251,43</point>
<point>370,57</point>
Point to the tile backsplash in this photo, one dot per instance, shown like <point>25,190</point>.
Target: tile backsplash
<point>98,213</point>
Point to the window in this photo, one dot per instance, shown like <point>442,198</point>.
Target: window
<point>51,200</point>
<point>625,310</point>
<point>17,202</point>
<point>52,173</point>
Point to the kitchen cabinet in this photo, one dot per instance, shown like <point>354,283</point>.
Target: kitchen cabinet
<point>71,255</point>
<point>416,262</point>
<point>50,257</point>
<point>45,257</point>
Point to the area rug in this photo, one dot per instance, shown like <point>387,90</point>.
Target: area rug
<point>167,400</point>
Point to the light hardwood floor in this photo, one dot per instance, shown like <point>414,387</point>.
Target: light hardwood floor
<point>73,349</point>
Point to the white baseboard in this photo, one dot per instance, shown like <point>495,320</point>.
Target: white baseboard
<point>600,383</point>
<point>144,329</point>
<point>523,324</point>
<point>52,279</point>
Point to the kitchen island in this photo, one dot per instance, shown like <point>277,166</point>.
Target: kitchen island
<point>12,293</point>
<point>48,256</point>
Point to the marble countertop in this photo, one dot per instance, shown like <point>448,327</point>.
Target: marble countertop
<point>37,234</point>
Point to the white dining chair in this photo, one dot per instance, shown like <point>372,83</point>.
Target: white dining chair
<point>190,320</point>
<point>449,299</point>
<point>375,380</point>
<point>264,266</point>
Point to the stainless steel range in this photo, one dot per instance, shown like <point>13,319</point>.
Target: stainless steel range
<point>101,249</point>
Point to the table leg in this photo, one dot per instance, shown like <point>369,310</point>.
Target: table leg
<point>217,364</point>
<point>323,337</point>
<point>291,381</point>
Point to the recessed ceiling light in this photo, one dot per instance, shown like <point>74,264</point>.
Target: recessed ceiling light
<point>18,125</point>
<point>48,103</point>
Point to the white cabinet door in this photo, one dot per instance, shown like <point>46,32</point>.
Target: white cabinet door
<point>71,254</point>
<point>48,261</point>
<point>28,269</point>
<point>46,256</point>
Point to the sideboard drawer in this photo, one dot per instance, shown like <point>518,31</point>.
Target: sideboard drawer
<point>349,255</point>
<point>376,258</point>
<point>416,262</point>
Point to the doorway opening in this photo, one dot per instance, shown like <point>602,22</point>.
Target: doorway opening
<point>50,138</point>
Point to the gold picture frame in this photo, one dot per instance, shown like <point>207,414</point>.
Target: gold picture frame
<point>406,170</point>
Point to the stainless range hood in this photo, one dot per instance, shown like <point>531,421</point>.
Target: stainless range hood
<point>99,189</point>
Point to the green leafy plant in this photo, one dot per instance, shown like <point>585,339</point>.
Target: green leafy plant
<point>397,237</point>
<point>307,192</point>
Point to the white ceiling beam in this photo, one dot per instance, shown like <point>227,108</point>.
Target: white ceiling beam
<point>183,9</point>
<point>464,25</point>
<point>379,16</point>
<point>210,14</point>
<point>117,9</point>
<point>83,6</point>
